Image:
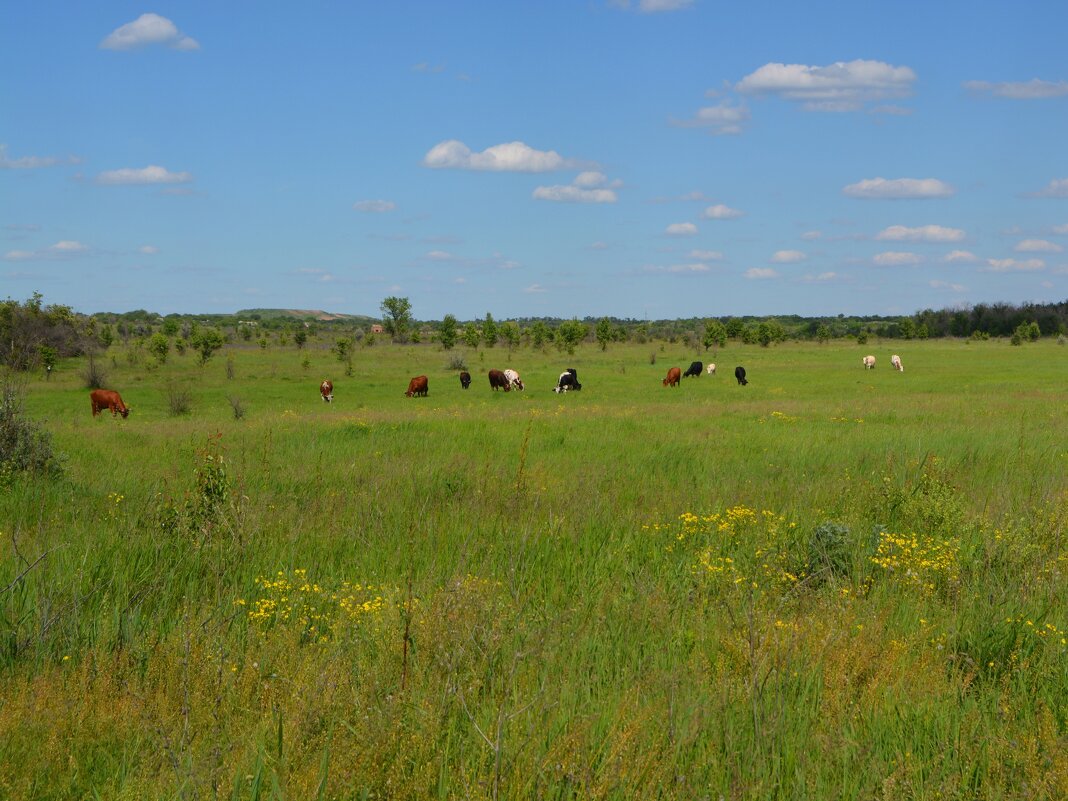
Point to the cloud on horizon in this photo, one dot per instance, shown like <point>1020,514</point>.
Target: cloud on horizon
<point>65,249</point>
<point>152,174</point>
<point>1034,89</point>
<point>842,86</point>
<point>923,233</point>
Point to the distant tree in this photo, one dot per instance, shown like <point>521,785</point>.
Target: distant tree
<point>907,328</point>
<point>397,316</point>
<point>641,333</point>
<point>569,334</point>
<point>539,333</point>
<point>25,327</point>
<point>472,336</point>
<point>510,333</point>
<point>715,334</point>
<point>447,334</point>
<point>823,333</point>
<point>300,337</point>
<point>107,336</point>
<point>735,328</point>
<point>490,333</point>
<point>246,332</point>
<point>206,341</point>
<point>48,356</point>
<point>159,346</point>
<point>341,348</point>
<point>603,332</point>
<point>169,327</point>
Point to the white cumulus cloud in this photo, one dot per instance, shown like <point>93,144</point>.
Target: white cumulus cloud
<point>507,157</point>
<point>759,273</point>
<point>1058,187</point>
<point>1014,265</point>
<point>374,206</point>
<point>681,229</point>
<point>1034,89</point>
<point>721,212</point>
<point>151,174</point>
<point>725,118</point>
<point>960,257</point>
<point>696,267</point>
<point>706,255</point>
<point>1037,246</point>
<point>31,162</point>
<point>895,258</point>
<point>923,233</point>
<point>842,86</point>
<point>787,256</point>
<point>898,189</point>
<point>146,30</point>
<point>588,187</point>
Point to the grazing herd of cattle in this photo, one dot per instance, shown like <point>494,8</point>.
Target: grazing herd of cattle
<point>498,379</point>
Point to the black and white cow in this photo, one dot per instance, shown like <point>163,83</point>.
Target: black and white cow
<point>568,381</point>
<point>695,369</point>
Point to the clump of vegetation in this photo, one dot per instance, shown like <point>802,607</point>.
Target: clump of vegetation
<point>27,327</point>
<point>828,551</point>
<point>236,406</point>
<point>457,362</point>
<point>179,399</point>
<point>24,445</point>
<point>94,376</point>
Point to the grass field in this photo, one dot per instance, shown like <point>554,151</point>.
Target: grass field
<point>831,583</point>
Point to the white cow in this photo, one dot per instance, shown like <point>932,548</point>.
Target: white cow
<point>869,362</point>
<point>895,360</point>
<point>711,369</point>
<point>513,379</point>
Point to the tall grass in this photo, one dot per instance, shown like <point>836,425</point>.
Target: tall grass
<point>830,583</point>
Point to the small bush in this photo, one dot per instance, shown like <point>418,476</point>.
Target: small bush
<point>24,445</point>
<point>652,357</point>
<point>230,367</point>
<point>179,399</point>
<point>457,362</point>
<point>828,551</point>
<point>93,374</point>
<point>237,406</point>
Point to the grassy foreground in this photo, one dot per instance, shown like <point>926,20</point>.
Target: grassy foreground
<point>831,583</point>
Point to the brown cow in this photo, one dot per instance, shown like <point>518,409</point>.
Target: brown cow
<point>673,377</point>
<point>326,389</point>
<point>417,387</point>
<point>498,380</point>
<point>108,399</point>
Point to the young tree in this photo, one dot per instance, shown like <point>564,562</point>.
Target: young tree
<point>511,334</point>
<point>396,317</point>
<point>472,336</point>
<point>569,334</point>
<point>447,333</point>
<point>159,346</point>
<point>489,331</point>
<point>823,333</point>
<point>715,334</point>
<point>604,333</point>
<point>300,337</point>
<point>539,333</point>
<point>206,341</point>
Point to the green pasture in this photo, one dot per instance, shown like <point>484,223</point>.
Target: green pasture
<point>830,583</point>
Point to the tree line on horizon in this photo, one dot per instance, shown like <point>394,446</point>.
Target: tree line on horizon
<point>33,334</point>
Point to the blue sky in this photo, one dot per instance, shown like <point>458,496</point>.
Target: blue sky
<point>650,158</point>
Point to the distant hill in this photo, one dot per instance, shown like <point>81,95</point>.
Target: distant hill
<point>298,314</point>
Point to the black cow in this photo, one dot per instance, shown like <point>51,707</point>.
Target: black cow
<point>695,369</point>
<point>465,379</point>
<point>568,381</point>
<point>739,373</point>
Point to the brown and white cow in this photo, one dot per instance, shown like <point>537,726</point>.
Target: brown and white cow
<point>674,376</point>
<point>326,389</point>
<point>498,380</point>
<point>869,362</point>
<point>895,361</point>
<point>108,399</point>
<point>513,379</point>
<point>417,387</point>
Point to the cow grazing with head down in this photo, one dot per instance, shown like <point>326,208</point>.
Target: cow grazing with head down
<point>673,377</point>
<point>326,389</point>
<point>568,381</point>
<point>739,373</point>
<point>465,379</point>
<point>513,379</point>
<point>498,381</point>
<point>712,369</point>
<point>895,361</point>
<point>108,399</point>
<point>695,369</point>
<point>417,387</point>
<point>868,362</point>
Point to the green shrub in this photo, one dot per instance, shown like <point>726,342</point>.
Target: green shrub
<point>24,445</point>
